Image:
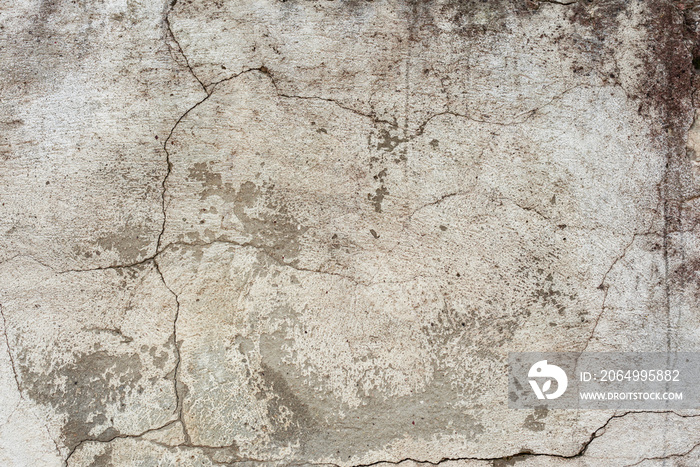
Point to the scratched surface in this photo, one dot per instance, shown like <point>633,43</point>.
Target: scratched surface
<point>295,233</point>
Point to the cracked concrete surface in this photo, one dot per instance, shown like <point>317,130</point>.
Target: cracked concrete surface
<point>309,233</point>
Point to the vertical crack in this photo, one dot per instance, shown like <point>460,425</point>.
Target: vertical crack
<point>177,385</point>
<point>171,36</point>
<point>9,352</point>
<point>667,287</point>
<point>168,171</point>
<point>604,286</point>
<point>169,165</point>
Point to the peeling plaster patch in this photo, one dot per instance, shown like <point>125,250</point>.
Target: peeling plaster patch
<point>103,459</point>
<point>82,345</point>
<point>84,390</point>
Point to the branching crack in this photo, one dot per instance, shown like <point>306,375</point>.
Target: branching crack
<point>527,454</point>
<point>372,117</point>
<point>528,114</point>
<point>169,168</point>
<point>209,89</point>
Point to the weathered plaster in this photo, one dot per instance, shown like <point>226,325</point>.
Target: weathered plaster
<point>311,232</point>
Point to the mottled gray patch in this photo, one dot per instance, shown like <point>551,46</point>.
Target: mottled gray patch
<point>289,414</point>
<point>323,432</point>
<point>130,244</point>
<point>389,142</point>
<point>264,216</point>
<point>273,228</point>
<point>83,390</point>
<point>535,421</point>
<point>212,183</point>
<point>159,358</point>
<point>104,459</point>
<point>378,197</point>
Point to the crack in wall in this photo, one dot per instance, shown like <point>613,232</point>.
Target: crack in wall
<point>9,352</point>
<point>177,385</point>
<point>598,433</point>
<point>667,285</point>
<point>555,2</point>
<point>496,461</point>
<point>605,287</point>
<point>171,36</point>
<point>665,457</point>
<point>109,440</point>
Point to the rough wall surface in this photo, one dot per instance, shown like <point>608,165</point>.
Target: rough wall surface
<point>300,232</point>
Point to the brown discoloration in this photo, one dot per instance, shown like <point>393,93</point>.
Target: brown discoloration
<point>667,83</point>
<point>687,274</point>
<point>476,18</point>
<point>664,83</point>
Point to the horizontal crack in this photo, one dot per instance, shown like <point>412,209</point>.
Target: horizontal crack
<point>599,432</point>
<point>112,438</point>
